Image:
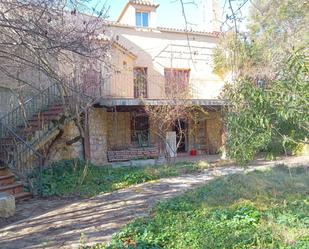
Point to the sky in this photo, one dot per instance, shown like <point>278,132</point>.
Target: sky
<point>169,13</point>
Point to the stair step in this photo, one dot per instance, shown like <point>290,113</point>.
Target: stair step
<point>14,188</point>
<point>55,108</point>
<point>7,179</point>
<point>3,171</point>
<point>2,154</point>
<point>23,196</point>
<point>5,140</point>
<point>52,112</point>
<point>44,118</point>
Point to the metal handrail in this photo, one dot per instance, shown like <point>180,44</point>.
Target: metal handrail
<point>21,140</point>
<point>20,115</point>
<point>29,100</point>
<point>20,150</point>
<point>27,147</point>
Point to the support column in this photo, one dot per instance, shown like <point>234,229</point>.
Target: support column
<point>97,121</point>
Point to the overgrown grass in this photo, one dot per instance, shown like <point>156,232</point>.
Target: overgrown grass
<point>267,209</point>
<point>72,177</point>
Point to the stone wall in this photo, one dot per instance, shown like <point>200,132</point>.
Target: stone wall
<point>214,132</point>
<point>97,121</point>
<point>110,131</point>
<point>60,150</point>
<point>118,129</point>
<point>204,132</point>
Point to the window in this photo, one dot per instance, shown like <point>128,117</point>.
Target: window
<point>176,80</point>
<point>140,129</point>
<point>142,19</point>
<point>140,82</point>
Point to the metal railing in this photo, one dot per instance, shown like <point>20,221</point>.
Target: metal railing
<point>21,114</point>
<point>21,157</point>
<point>17,149</point>
<point>126,85</point>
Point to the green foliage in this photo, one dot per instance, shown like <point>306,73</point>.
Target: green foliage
<point>236,54</point>
<point>259,210</point>
<point>269,100</point>
<point>74,177</point>
<point>274,117</point>
<point>276,28</point>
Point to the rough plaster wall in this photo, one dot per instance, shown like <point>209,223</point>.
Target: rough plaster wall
<point>191,135</point>
<point>60,150</point>
<point>98,136</point>
<point>197,137</point>
<point>129,16</point>
<point>153,50</point>
<point>214,128</point>
<point>153,133</point>
<point>118,129</point>
<point>120,84</point>
<point>206,133</point>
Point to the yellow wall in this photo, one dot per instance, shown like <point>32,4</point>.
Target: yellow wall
<point>120,82</point>
<point>118,129</point>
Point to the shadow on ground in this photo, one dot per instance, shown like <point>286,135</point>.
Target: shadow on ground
<point>52,223</point>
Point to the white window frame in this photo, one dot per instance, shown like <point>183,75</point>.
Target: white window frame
<point>141,21</point>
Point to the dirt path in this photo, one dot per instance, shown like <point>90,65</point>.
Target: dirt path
<point>60,223</point>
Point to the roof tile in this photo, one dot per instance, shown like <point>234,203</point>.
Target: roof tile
<point>144,2</point>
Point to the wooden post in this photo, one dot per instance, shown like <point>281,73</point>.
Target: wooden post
<point>87,138</point>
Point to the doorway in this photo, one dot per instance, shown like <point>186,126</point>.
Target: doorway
<point>181,129</point>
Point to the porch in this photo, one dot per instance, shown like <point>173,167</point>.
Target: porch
<point>124,132</point>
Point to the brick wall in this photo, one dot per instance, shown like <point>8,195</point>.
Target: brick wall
<point>132,154</point>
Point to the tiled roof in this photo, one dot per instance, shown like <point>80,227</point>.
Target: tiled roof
<point>143,2</point>
<point>216,34</point>
<point>105,38</point>
<point>165,29</point>
<point>124,48</point>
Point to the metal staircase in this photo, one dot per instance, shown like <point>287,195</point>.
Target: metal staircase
<point>25,130</point>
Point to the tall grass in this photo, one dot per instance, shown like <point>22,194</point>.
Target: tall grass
<point>261,209</point>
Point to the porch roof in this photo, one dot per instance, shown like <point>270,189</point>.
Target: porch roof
<point>110,102</point>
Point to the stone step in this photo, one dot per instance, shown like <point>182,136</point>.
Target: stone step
<point>14,188</point>
<point>58,108</point>
<point>3,171</point>
<point>43,119</point>
<point>2,155</point>
<point>23,196</point>
<point>7,140</point>
<point>7,179</point>
<point>48,113</point>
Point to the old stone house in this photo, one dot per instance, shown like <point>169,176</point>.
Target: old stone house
<point>147,64</point>
<point>148,57</point>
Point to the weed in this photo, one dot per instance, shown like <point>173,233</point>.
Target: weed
<point>268,209</point>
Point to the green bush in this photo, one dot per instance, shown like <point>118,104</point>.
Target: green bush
<point>273,118</point>
<point>74,177</point>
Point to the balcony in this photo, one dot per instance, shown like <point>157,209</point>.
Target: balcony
<point>123,85</point>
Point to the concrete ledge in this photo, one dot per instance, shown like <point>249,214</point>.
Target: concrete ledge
<point>7,205</point>
<point>135,163</point>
